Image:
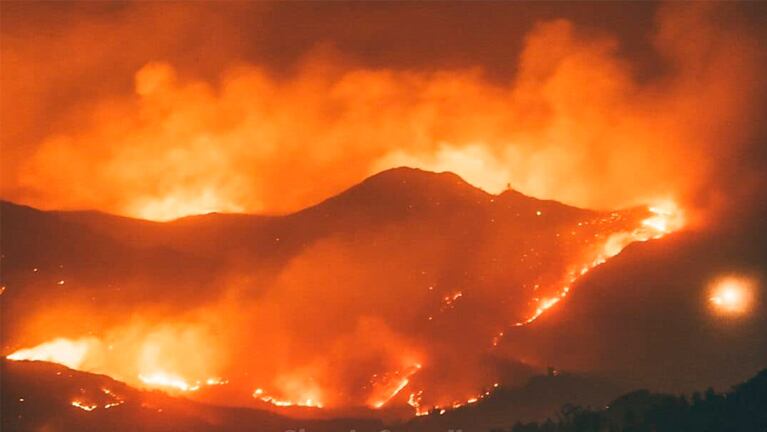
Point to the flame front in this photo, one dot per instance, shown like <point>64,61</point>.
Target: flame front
<point>664,219</point>
<point>70,353</point>
<point>154,357</point>
<point>160,379</point>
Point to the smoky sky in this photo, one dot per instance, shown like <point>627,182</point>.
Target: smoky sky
<point>159,110</point>
<point>62,63</point>
<point>59,54</point>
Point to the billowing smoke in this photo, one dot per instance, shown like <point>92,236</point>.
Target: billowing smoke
<point>575,124</point>
<point>399,290</point>
<point>347,315</point>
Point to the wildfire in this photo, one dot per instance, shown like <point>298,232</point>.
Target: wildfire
<point>396,391</point>
<point>449,301</point>
<point>394,387</point>
<point>138,358</point>
<point>153,368</point>
<point>70,353</point>
<point>115,400</point>
<point>175,382</point>
<point>307,403</point>
<point>161,379</point>
<point>84,406</point>
<point>665,218</point>
<point>415,401</point>
<point>184,204</point>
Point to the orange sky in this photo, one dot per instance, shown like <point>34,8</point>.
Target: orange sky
<point>199,118</point>
<point>162,110</point>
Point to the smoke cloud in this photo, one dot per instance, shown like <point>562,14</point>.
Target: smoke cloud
<point>578,122</point>
<point>574,124</point>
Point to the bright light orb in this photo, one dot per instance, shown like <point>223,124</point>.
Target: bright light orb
<point>732,295</point>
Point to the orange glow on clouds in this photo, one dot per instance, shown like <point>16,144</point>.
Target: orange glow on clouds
<point>255,143</point>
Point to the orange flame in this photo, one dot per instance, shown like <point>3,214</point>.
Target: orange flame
<point>70,353</point>
<point>665,218</point>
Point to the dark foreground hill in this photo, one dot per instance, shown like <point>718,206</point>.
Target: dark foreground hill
<point>743,409</point>
<point>40,396</point>
<point>43,396</point>
<point>645,318</point>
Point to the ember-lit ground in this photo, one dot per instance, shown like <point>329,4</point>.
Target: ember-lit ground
<point>369,215</point>
<point>352,243</point>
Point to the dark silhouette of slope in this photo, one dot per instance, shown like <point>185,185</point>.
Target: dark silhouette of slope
<point>390,197</point>
<point>743,409</point>
<point>39,395</point>
<point>645,317</point>
<point>464,237</point>
<point>47,260</point>
<point>538,399</point>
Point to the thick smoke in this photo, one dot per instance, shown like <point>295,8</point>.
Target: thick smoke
<point>574,124</point>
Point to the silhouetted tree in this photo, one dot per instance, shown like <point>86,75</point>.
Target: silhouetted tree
<point>744,409</point>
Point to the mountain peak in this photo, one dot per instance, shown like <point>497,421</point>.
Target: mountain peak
<point>404,187</point>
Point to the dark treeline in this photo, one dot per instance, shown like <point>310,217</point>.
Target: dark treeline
<point>743,409</point>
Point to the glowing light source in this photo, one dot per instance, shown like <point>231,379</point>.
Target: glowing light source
<point>732,295</point>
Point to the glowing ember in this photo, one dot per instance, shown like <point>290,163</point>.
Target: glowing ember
<point>664,219</point>
<point>732,295</point>
<point>84,406</point>
<point>116,400</point>
<point>154,367</point>
<point>415,401</point>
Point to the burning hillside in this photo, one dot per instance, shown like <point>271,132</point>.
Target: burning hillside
<point>258,207</point>
<point>338,326</point>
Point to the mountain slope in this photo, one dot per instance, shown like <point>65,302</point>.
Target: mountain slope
<point>646,316</point>
<point>41,395</point>
<point>346,297</point>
